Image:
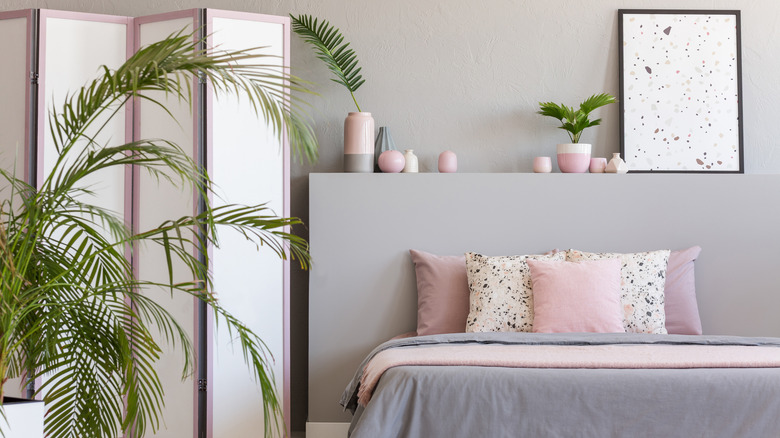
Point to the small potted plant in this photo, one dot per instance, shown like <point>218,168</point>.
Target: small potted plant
<point>574,157</point>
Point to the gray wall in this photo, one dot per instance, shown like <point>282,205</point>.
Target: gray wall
<point>466,76</point>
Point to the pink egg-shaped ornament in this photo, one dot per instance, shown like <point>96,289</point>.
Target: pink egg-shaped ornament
<point>391,161</point>
<point>448,162</point>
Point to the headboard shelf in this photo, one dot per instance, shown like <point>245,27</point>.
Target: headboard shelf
<point>362,288</point>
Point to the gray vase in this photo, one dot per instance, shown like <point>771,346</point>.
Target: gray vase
<point>384,142</point>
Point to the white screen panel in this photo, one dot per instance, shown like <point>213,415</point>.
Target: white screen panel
<point>71,53</point>
<point>160,201</point>
<point>74,51</point>
<point>14,76</point>
<point>248,168</point>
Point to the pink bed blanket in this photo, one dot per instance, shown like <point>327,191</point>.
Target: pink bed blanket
<point>567,356</point>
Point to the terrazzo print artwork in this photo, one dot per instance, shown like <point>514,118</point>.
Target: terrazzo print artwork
<point>680,92</point>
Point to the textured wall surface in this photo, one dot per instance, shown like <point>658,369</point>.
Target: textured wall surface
<point>466,76</point>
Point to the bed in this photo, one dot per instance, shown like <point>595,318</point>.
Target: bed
<point>365,294</point>
<point>567,343</point>
<point>732,396</point>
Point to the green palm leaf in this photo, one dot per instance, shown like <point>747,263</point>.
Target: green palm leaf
<point>596,101</point>
<point>331,49</point>
<point>575,121</point>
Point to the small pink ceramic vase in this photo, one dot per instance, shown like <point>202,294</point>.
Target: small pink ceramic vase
<point>542,165</point>
<point>391,161</point>
<point>448,162</point>
<point>597,165</point>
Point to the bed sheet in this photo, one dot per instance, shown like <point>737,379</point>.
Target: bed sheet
<point>474,401</point>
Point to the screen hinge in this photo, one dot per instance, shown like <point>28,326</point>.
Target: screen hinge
<point>34,78</point>
<point>202,385</point>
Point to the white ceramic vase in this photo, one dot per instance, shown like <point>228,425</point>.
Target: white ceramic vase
<point>359,143</point>
<point>411,162</point>
<point>616,165</point>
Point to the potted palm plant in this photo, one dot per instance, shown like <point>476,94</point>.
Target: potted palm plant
<point>574,157</point>
<point>70,303</point>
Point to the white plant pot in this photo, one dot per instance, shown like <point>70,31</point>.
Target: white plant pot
<point>24,418</point>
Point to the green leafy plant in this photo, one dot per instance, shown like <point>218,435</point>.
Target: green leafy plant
<point>71,306</point>
<point>331,49</point>
<point>575,121</point>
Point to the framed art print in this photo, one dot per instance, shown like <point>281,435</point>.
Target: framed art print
<point>680,91</point>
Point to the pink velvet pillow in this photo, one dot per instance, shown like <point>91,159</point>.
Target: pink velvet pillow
<point>577,297</point>
<point>682,312</point>
<point>442,293</point>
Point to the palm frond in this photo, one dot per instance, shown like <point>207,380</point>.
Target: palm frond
<point>575,121</point>
<point>329,44</point>
<point>596,101</point>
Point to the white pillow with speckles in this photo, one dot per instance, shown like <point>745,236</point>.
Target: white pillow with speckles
<point>500,295</point>
<point>642,281</point>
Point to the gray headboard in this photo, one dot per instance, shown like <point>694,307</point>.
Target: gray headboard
<point>362,288</point>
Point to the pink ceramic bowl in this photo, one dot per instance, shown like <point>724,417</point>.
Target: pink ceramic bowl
<point>391,161</point>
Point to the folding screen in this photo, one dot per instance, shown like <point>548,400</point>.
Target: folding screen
<point>49,53</point>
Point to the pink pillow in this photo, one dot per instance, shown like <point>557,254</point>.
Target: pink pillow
<point>442,293</point>
<point>682,312</point>
<point>576,297</point>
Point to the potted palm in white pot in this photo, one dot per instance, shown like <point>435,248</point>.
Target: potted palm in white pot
<point>574,157</point>
<point>71,305</point>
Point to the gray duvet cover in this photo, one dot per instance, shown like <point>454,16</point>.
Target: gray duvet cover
<point>465,401</point>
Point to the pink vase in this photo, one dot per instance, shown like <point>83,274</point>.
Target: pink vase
<point>573,157</point>
<point>597,165</point>
<point>542,165</point>
<point>359,143</point>
<point>391,161</point>
<point>448,162</point>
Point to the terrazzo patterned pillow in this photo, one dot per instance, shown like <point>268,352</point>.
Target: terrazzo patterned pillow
<point>642,280</point>
<point>500,295</point>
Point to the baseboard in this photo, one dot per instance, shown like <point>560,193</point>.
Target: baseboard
<point>326,430</point>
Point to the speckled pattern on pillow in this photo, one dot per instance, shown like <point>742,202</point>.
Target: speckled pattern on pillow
<point>643,276</point>
<point>500,296</point>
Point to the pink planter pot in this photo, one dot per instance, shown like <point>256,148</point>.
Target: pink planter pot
<point>574,157</point>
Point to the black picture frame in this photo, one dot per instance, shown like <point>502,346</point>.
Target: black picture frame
<point>681,90</point>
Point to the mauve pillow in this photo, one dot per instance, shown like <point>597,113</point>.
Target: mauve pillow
<point>442,293</point>
<point>577,297</point>
<point>682,312</point>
